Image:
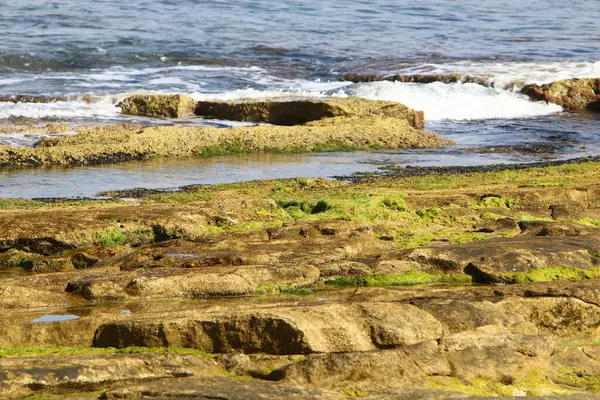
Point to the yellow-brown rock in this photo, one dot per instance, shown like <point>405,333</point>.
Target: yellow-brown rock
<point>299,112</point>
<point>572,94</point>
<point>158,105</point>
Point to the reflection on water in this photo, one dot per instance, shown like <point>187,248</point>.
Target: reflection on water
<point>163,173</point>
<point>55,318</point>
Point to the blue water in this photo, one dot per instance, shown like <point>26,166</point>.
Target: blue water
<point>233,49</point>
<point>307,37</point>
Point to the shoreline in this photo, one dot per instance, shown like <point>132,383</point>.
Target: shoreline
<point>273,281</point>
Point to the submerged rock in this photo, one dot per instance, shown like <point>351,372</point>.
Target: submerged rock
<point>417,78</point>
<point>572,94</point>
<point>158,105</point>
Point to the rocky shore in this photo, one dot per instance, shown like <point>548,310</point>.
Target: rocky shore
<point>468,285</point>
<point>293,126</point>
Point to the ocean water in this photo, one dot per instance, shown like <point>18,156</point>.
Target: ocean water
<point>253,49</point>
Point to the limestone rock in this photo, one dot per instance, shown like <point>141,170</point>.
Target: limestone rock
<point>368,371</point>
<point>299,112</point>
<point>219,388</point>
<point>284,330</point>
<point>495,260</point>
<point>24,376</point>
<point>572,94</point>
<point>158,105</point>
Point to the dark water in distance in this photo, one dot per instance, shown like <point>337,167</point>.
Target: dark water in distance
<point>304,37</point>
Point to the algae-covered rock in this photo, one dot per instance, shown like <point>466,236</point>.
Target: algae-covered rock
<point>572,94</point>
<point>158,105</point>
<point>514,260</point>
<point>301,111</point>
<point>330,134</point>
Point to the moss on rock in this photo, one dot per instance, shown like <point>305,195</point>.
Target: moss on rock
<point>130,143</point>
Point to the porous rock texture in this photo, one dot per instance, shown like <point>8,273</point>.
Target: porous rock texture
<point>571,94</point>
<point>423,288</point>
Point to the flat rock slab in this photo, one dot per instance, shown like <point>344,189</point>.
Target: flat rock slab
<point>284,330</point>
<point>290,112</point>
<point>23,376</point>
<point>494,260</point>
<point>219,388</point>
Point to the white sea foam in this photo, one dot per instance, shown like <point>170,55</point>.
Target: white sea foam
<point>256,94</point>
<point>509,73</point>
<point>454,101</point>
<point>27,139</point>
<point>59,109</point>
<point>11,81</point>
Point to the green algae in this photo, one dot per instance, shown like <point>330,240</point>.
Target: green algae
<point>222,149</point>
<point>396,203</point>
<point>181,197</point>
<point>404,279</point>
<point>586,221</point>
<point>576,378</point>
<point>549,275</point>
<point>264,289</point>
<point>63,395</point>
<point>111,237</point>
<point>528,217</point>
<point>497,202</point>
<point>18,203</point>
<point>532,383</point>
<point>337,145</point>
<point>430,213</point>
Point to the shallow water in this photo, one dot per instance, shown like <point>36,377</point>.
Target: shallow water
<point>55,318</point>
<point>171,173</point>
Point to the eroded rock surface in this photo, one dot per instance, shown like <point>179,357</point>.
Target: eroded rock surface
<point>572,94</point>
<point>158,105</point>
<point>449,287</point>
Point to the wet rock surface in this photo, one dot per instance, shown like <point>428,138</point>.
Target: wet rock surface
<point>418,78</point>
<point>450,286</point>
<point>301,126</point>
<point>572,94</point>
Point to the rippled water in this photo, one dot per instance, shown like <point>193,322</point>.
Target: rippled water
<point>253,49</point>
<point>298,36</point>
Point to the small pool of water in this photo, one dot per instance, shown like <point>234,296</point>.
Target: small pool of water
<point>171,173</point>
<point>55,318</point>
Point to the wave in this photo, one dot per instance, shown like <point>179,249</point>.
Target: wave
<point>455,101</point>
<point>509,74</point>
<point>60,109</point>
<point>439,101</point>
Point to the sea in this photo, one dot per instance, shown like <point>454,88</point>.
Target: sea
<point>227,50</point>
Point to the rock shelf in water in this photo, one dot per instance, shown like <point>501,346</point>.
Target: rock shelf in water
<point>357,77</point>
<point>425,287</point>
<point>573,94</point>
<point>328,125</point>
